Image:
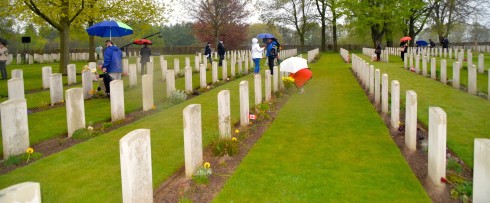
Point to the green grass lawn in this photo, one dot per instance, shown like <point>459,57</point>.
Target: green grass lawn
<point>327,145</point>
<point>98,110</point>
<point>90,171</point>
<point>466,114</point>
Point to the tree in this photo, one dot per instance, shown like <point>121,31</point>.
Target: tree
<point>415,21</point>
<point>296,13</point>
<point>219,18</point>
<point>334,7</point>
<point>447,13</point>
<point>178,35</point>
<point>60,14</point>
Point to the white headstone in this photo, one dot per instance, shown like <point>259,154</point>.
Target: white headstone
<point>23,192</point>
<point>224,119</point>
<point>275,79</point>
<point>147,89</point>
<point>232,68</point>
<point>481,65</point>
<point>433,72</point>
<point>149,68</point>
<point>437,145</point>
<point>87,84</point>
<point>371,80</point>
<point>117,100</point>
<point>138,65</point>
<point>268,89</point>
<point>192,139</point>
<point>456,75</point>
<point>411,120</point>
<point>411,61</point>
<point>196,63</point>
<point>417,63</point>
<point>71,73</point>
<point>258,89</point>
<point>240,70</point>
<point>472,79</point>
<point>202,76</point>
<point>75,110</point>
<point>19,59</point>
<point>176,67</point>
<point>56,88</point>
<point>188,79</point>
<point>384,93</point>
<point>443,72</point>
<point>16,88</point>
<point>395,104</point>
<point>136,171</point>
<point>377,87</point>
<point>246,66</point>
<point>214,72</point>
<point>46,75</point>
<point>244,103</point>
<point>133,75</point>
<point>170,81</point>
<point>31,59</point>
<point>163,67</point>
<point>224,70</point>
<point>424,66</point>
<point>15,130</point>
<point>405,61</point>
<point>470,60</point>
<point>481,171</point>
<point>187,62</point>
<point>125,66</point>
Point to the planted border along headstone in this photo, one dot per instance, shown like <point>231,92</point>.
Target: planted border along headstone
<point>170,81</point>
<point>411,120</point>
<point>71,70</point>
<point>136,171</point>
<point>46,73</point>
<point>15,130</point>
<point>192,139</point>
<point>437,145</point>
<point>23,192</point>
<point>56,88</point>
<point>244,103</point>
<point>147,91</point>
<point>258,89</point>
<point>395,104</point>
<point>384,93</point>
<point>75,110</point>
<point>481,171</point>
<point>117,100</point>
<point>224,119</point>
<point>15,88</point>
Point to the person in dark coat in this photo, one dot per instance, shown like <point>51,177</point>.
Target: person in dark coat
<point>432,44</point>
<point>378,51</point>
<point>272,53</point>
<point>112,61</point>
<point>403,49</point>
<point>145,53</point>
<point>445,43</point>
<point>221,52</point>
<point>207,52</point>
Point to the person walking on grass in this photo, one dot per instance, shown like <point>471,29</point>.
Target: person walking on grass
<point>403,49</point>
<point>256,54</point>
<point>221,52</point>
<point>112,61</point>
<point>207,52</point>
<point>145,53</point>
<point>3,59</point>
<point>378,51</point>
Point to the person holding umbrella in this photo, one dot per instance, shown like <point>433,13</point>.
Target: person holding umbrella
<point>404,46</point>
<point>256,54</point>
<point>145,53</point>
<point>298,69</point>
<point>3,58</point>
<point>112,61</point>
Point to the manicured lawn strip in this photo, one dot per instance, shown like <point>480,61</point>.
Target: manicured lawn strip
<point>51,123</point>
<point>466,114</point>
<point>482,78</point>
<point>90,171</point>
<point>328,144</point>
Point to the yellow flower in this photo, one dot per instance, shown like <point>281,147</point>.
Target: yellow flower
<point>92,92</point>
<point>207,165</point>
<point>90,128</point>
<point>153,107</point>
<point>237,131</point>
<point>29,150</point>
<point>234,139</point>
<point>250,122</point>
<point>93,70</point>
<point>208,87</point>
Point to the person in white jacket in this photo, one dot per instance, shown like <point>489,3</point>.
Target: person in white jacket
<point>256,54</point>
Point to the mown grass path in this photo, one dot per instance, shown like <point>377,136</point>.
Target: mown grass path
<point>467,115</point>
<point>328,144</point>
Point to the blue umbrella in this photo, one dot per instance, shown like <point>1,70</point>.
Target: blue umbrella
<point>265,35</point>
<point>110,29</point>
<point>422,43</point>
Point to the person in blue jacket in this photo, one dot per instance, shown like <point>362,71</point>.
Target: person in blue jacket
<point>112,61</point>
<point>272,50</point>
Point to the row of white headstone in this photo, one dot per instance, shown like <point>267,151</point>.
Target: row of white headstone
<point>384,56</point>
<point>472,71</point>
<point>378,87</point>
<point>45,58</point>
<point>312,54</point>
<point>344,53</point>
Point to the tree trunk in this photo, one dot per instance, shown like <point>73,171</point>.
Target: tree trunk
<point>334,33</point>
<point>324,28</point>
<point>389,36</point>
<point>91,44</point>
<point>64,49</point>
<point>376,34</point>
<point>411,31</point>
<point>302,42</point>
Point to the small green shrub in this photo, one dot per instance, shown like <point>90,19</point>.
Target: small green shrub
<point>22,158</point>
<point>202,174</point>
<point>177,96</point>
<point>85,134</point>
<point>453,165</point>
<point>106,125</point>
<point>223,146</point>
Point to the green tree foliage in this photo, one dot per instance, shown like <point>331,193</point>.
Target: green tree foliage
<point>178,35</point>
<point>257,28</point>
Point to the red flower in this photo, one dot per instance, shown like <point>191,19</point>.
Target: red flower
<point>444,180</point>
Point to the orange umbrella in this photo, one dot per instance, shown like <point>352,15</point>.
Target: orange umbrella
<point>301,77</point>
<point>405,39</point>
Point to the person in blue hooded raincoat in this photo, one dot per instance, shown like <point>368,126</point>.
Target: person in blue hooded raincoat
<point>272,53</point>
<point>112,60</point>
